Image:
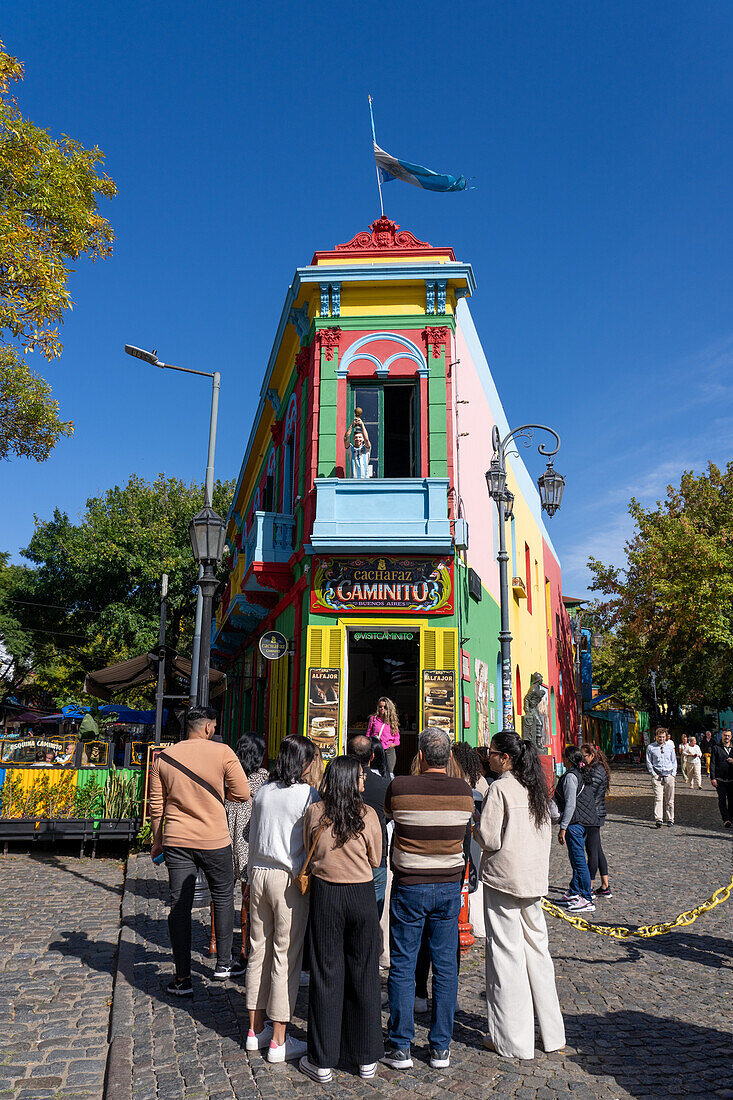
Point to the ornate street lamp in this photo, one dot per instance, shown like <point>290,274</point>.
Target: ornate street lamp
<point>207,532</point>
<point>551,485</point>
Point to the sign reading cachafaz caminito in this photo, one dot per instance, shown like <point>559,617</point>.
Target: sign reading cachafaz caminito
<point>388,583</point>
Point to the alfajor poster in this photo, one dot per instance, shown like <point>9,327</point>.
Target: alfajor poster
<point>324,694</point>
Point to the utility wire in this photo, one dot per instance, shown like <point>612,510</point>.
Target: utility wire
<point>55,606</point>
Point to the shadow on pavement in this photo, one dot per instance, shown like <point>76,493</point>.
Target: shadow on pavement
<point>651,1055</point>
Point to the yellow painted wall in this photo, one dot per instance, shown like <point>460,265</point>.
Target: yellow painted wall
<point>529,631</point>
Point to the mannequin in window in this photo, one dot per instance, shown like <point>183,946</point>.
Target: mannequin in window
<point>361,447</point>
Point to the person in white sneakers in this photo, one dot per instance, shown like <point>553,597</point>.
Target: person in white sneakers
<point>278,910</point>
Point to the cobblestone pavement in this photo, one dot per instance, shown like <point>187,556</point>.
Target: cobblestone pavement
<point>59,922</point>
<point>644,1018</point>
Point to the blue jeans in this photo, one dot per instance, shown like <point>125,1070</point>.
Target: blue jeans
<point>575,841</point>
<point>380,887</point>
<point>435,906</point>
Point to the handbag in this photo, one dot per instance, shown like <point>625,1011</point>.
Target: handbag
<point>303,879</point>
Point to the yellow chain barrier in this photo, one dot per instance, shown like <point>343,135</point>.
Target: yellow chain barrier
<point>646,930</point>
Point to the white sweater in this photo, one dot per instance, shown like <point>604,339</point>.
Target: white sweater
<point>276,826</point>
<point>516,853</point>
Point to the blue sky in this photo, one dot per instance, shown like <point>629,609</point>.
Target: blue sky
<point>238,135</point>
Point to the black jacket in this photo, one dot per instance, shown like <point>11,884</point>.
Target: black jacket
<point>375,788</point>
<point>721,763</point>
<point>585,804</point>
<point>597,780</point>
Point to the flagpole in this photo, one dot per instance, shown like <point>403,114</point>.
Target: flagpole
<point>374,139</point>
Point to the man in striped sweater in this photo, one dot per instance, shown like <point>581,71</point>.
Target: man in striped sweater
<point>431,812</point>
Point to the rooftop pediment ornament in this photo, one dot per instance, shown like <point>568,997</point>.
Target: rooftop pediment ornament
<point>384,234</point>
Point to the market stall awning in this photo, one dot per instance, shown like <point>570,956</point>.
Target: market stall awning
<point>138,671</point>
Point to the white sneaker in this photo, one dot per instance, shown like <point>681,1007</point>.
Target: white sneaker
<point>421,1004</point>
<point>368,1071</point>
<point>258,1040</point>
<point>290,1049</point>
<point>322,1076</point>
<point>581,905</point>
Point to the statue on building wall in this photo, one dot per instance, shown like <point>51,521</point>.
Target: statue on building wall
<point>535,725</point>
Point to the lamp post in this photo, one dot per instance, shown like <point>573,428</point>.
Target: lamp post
<point>152,358</point>
<point>207,531</point>
<point>551,485</point>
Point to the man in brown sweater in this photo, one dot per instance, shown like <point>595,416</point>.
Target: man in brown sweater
<point>190,828</point>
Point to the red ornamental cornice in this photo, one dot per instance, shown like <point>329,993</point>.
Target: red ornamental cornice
<point>437,336</point>
<point>302,362</point>
<point>330,338</point>
<point>384,234</point>
<point>276,430</point>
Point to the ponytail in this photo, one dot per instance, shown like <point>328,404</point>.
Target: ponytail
<point>527,770</point>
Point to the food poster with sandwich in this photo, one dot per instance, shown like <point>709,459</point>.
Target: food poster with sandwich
<point>439,700</point>
<point>324,696</point>
<point>481,686</point>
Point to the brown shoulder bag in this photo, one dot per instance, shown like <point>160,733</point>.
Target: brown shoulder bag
<point>303,880</point>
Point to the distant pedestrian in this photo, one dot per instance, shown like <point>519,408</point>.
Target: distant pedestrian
<point>598,775</point>
<point>250,752</point>
<point>515,834</point>
<point>189,823</point>
<point>375,789</point>
<point>430,811</point>
<point>683,755</point>
<point>344,1004</point>
<point>278,910</point>
<point>706,747</point>
<point>661,764</point>
<point>721,774</point>
<point>693,761</point>
<point>577,807</point>
<point>385,725</point>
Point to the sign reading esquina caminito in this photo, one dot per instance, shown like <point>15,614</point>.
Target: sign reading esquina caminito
<point>384,583</point>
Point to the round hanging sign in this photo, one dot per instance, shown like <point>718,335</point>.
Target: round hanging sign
<point>273,645</point>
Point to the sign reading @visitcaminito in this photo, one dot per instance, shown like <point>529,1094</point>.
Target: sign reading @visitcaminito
<point>273,645</point>
<point>385,583</point>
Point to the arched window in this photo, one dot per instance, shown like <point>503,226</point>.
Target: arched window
<point>553,716</point>
<point>270,483</point>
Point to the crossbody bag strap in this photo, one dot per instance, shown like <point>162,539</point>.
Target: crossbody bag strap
<point>312,848</point>
<point>192,775</point>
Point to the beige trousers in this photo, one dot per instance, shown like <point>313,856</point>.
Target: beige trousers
<point>278,915</point>
<point>694,772</point>
<point>663,797</point>
<point>520,977</point>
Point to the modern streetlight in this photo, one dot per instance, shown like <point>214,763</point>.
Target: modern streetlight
<point>551,485</point>
<point>207,532</point>
<point>152,358</point>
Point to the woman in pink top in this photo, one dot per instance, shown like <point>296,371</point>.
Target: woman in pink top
<point>386,726</point>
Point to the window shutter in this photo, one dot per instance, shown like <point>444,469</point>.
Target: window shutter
<point>438,651</point>
<point>325,649</point>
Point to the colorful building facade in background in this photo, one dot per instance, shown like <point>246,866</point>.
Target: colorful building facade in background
<point>386,584</point>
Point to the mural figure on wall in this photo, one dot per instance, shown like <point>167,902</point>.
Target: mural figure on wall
<point>361,447</point>
<point>481,682</point>
<point>536,723</point>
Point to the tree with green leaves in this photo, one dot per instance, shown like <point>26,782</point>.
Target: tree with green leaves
<point>669,610</point>
<point>49,217</point>
<point>90,595</point>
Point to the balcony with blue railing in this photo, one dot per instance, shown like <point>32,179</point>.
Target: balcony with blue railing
<point>381,515</point>
<point>267,551</point>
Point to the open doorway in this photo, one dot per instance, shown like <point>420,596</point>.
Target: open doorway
<point>388,411</point>
<point>384,662</point>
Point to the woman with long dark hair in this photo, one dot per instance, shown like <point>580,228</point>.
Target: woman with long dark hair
<point>344,1010</point>
<point>577,806</point>
<point>515,834</point>
<point>598,775</point>
<point>278,910</point>
<point>250,750</point>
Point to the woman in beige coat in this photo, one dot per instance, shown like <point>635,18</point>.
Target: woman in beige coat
<point>514,832</point>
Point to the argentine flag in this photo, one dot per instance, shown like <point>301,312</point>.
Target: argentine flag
<point>392,169</point>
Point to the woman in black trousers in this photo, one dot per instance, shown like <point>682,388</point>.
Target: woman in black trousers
<point>598,777</point>
<point>344,1004</point>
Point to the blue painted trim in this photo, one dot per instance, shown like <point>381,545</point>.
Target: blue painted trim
<point>430,296</point>
<point>411,352</point>
<point>335,299</point>
<point>325,299</point>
